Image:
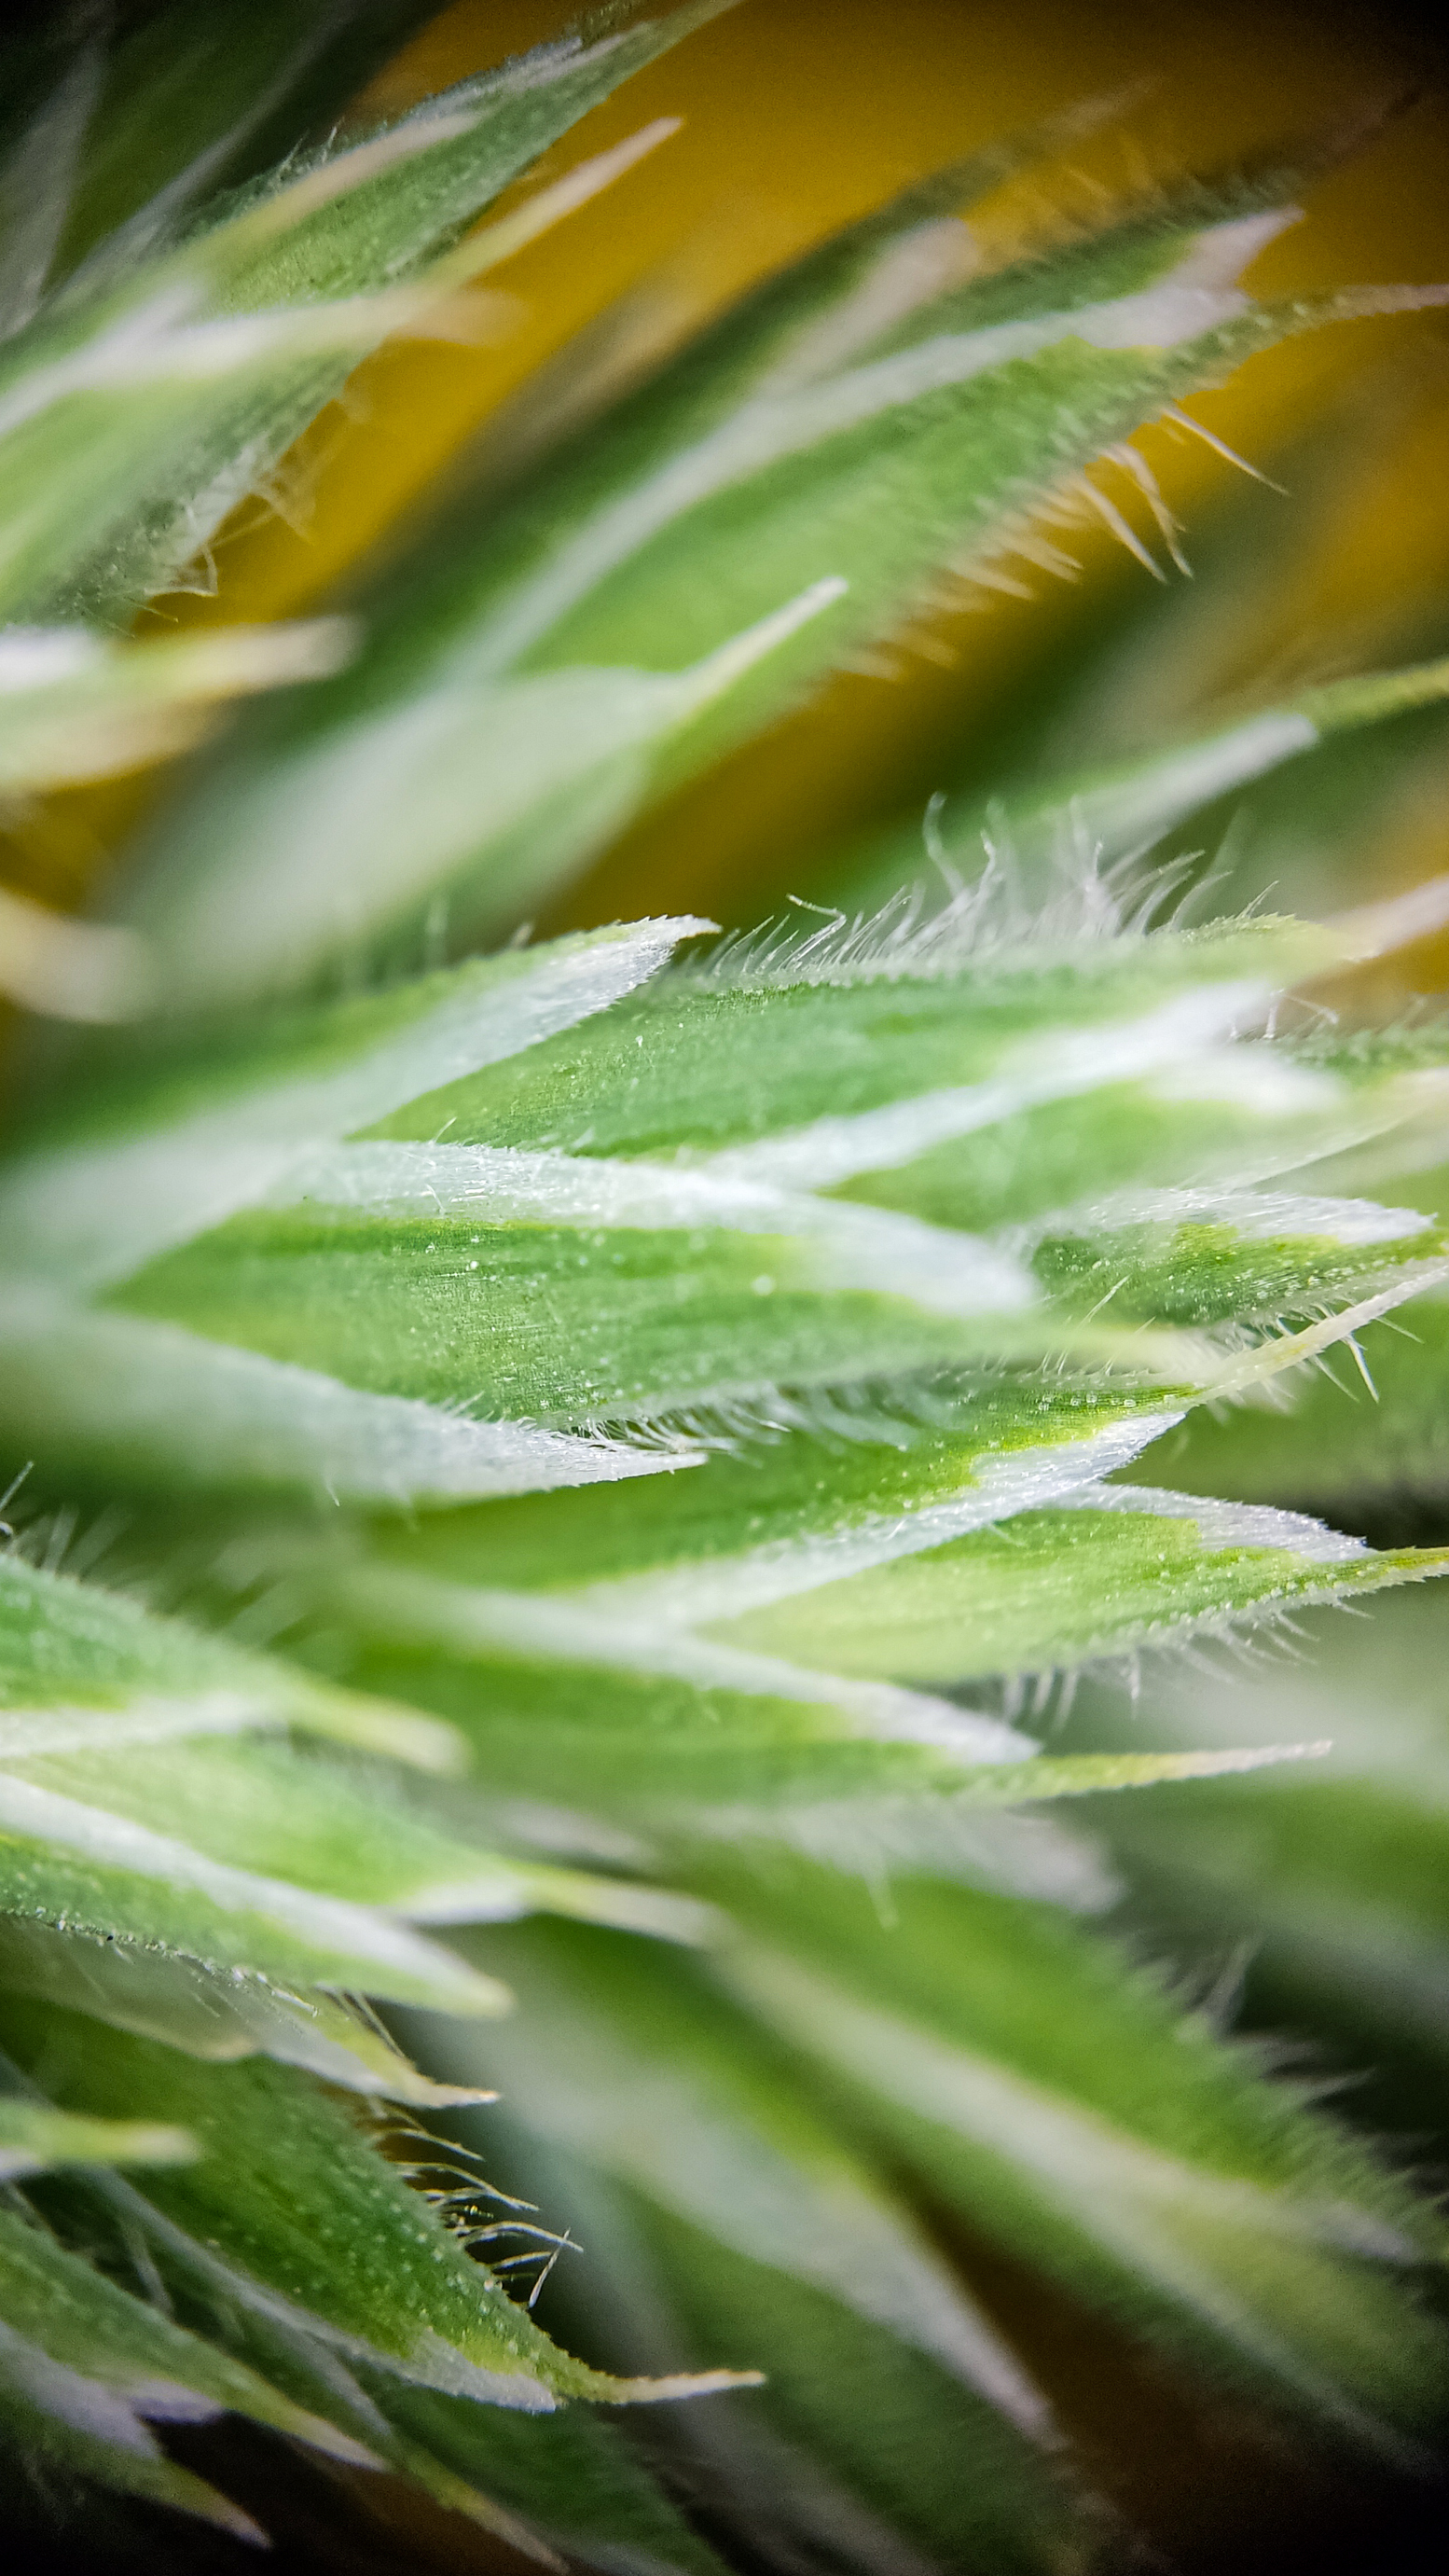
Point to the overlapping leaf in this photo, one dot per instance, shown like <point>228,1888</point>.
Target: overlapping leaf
<point>1338,1886</point>
<point>152,393</point>
<point>218,2013</point>
<point>155,1816</point>
<point>80,1667</point>
<point>740,1657</point>
<point>789,491</point>
<point>649,1394</point>
<point>217,1132</point>
<point>268,2325</point>
<point>920,1349</point>
<point>1009,2067</point>
<point>1033,832</point>
<point>73,709</point>
<point>1228,2223</point>
<point>86,2369</point>
<point>699,2166</point>
<point>688,1678</point>
<point>284,2177</point>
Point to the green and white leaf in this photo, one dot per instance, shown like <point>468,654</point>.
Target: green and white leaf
<point>285,2195</point>
<point>1123,2146</point>
<point>82,1669</point>
<point>740,2203</point>
<point>209,2012</point>
<point>590,1417</point>
<point>33,2138</point>
<point>1338,1886</point>
<point>790,491</point>
<point>1035,833</point>
<point>211,1842</point>
<point>153,393</point>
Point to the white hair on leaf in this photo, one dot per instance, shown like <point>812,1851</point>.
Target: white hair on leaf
<point>178,1408</point>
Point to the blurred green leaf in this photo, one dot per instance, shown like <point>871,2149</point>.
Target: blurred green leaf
<point>168,377</point>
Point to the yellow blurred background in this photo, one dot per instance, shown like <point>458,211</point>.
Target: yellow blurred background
<point>798,114</point>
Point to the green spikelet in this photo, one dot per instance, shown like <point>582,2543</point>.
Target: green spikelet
<point>558,1482</point>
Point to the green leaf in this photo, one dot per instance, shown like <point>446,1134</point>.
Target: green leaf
<point>438,1312</point>
<point>713,1662</point>
<point>644,2076</point>
<point>211,2013</point>
<point>69,1864</point>
<point>125,138</point>
<point>1368,1449</point>
<point>81,1667</point>
<point>1117,1568</point>
<point>115,1401</point>
<point>565,2479</point>
<point>1118,813</point>
<point>89,2324</point>
<point>34,2137</point>
<point>213,1843</point>
<point>113,2356</point>
<point>72,708</point>
<point>807,1039</point>
<point>755,518</point>
<point>215,1130</point>
<point>291,2198</point>
<point>170,1144</point>
<point>1236,1117</point>
<point>67,2427</point>
<point>727,2142</point>
<point>1339,1886</point>
<point>274,1815</point>
<point>1063,2103</point>
<point>851,2455</point>
<point>86,2368</point>
<point>155,393</point>
<point>373,1388</point>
